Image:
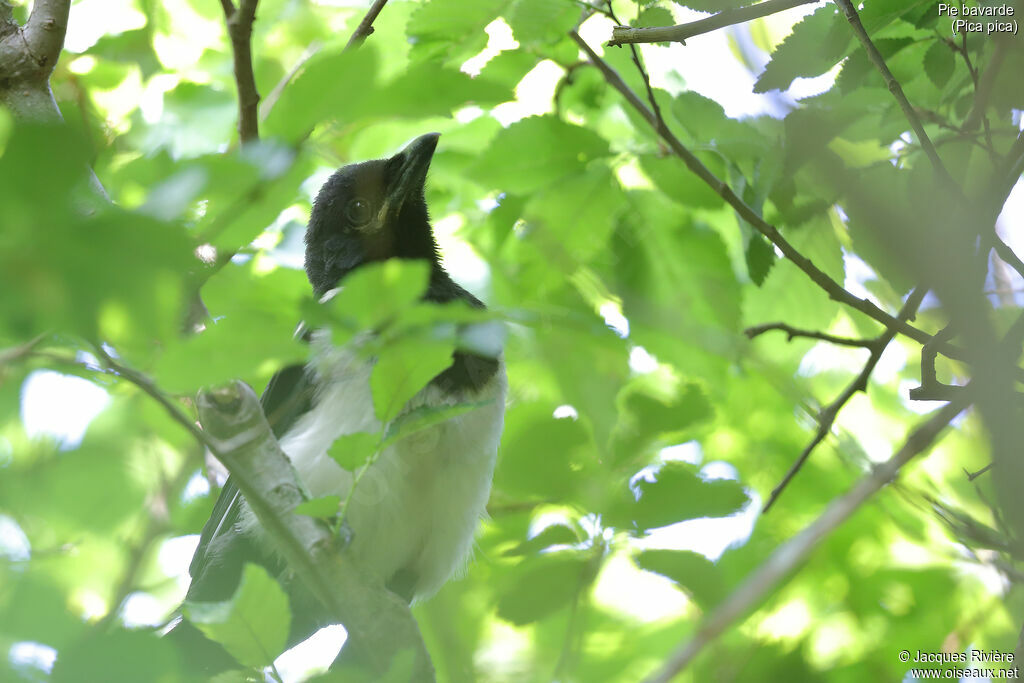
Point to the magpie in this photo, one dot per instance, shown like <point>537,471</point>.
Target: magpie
<point>413,528</point>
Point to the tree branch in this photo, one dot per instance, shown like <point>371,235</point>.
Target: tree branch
<point>27,57</point>
<point>365,27</point>
<point>792,332</point>
<point>831,287</point>
<point>235,430</point>
<point>787,558</point>
<point>827,416</point>
<point>876,58</point>
<point>44,32</point>
<point>239,23</point>
<point>379,624</point>
<point>622,35</point>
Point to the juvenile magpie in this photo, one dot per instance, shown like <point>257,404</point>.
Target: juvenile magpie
<point>414,527</point>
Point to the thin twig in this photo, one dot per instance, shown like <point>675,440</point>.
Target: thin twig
<point>365,27</point>
<point>150,388</point>
<point>622,35</point>
<point>791,555</point>
<point>971,476</point>
<point>827,416</point>
<point>792,332</point>
<point>983,87</point>
<point>16,353</point>
<point>819,277</point>
<point>894,87</point>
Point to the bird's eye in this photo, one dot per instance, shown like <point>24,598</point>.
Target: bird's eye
<point>358,212</point>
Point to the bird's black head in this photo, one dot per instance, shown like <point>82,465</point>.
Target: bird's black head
<point>371,211</point>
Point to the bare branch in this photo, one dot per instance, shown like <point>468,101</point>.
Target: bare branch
<point>365,27</point>
<point>239,23</point>
<point>792,332</point>
<point>819,277</point>
<point>788,557</point>
<point>679,33</point>
<point>827,416</point>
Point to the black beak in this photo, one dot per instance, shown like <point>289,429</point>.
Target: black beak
<point>410,175</point>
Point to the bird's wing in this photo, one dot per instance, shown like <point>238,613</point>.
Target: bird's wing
<point>217,563</point>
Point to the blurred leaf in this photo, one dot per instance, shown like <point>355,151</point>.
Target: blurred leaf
<point>939,63</point>
<point>324,507</point>
<point>816,44</point>
<point>692,571</point>
<point>556,534</point>
<point>760,258</point>
<point>253,625</point>
<point>545,586</point>
<point>117,656</point>
<point>679,493</point>
<point>536,151</point>
<point>402,369</point>
<point>352,451</point>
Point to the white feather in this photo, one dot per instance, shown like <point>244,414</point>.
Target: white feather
<point>418,506</point>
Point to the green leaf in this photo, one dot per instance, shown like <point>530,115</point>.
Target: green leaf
<point>541,21</point>
<point>377,292</point>
<point>536,151</point>
<point>654,16</point>
<point>556,534</point>
<point>332,84</point>
<point>760,257</point>
<point>402,369</point>
<point>939,63</point>
<point>425,416</point>
<point>352,451</point>
<point>451,28</point>
<point>650,414</point>
<point>679,493</point>
<point>121,655</point>
<point>324,507</point>
<point>571,219</point>
<point>542,588</point>
<point>432,90</point>
<point>712,5</point>
<point>678,183</point>
<point>816,44</point>
<point>253,625</point>
<point>697,575</point>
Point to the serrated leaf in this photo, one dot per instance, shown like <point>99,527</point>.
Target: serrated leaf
<point>351,451</point>
<point>654,16</point>
<point>253,625</point>
<point>541,21</point>
<point>939,63</point>
<point>815,45</point>
<point>535,152</point>
<point>321,508</point>
<point>760,257</point>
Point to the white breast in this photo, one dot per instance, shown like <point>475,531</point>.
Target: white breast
<point>417,507</point>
